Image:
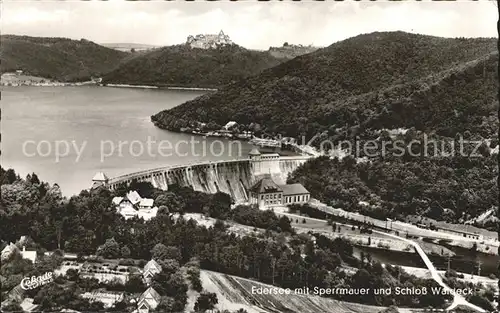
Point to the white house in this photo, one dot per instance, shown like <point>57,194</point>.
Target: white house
<point>149,300</point>
<point>11,248</point>
<point>147,214</point>
<point>134,197</point>
<point>146,203</point>
<point>150,269</point>
<point>229,125</point>
<point>134,205</point>
<point>28,305</point>
<point>7,251</point>
<point>29,255</point>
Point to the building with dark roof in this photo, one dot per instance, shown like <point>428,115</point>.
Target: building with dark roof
<point>266,193</point>
<point>295,193</point>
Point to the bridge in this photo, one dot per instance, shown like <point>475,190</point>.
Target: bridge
<point>233,177</point>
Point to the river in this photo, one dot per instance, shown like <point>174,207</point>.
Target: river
<point>67,134</point>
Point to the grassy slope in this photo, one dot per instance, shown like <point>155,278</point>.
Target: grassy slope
<point>57,58</point>
<point>234,293</point>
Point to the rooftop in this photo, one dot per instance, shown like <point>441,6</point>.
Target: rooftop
<point>30,255</point>
<point>146,202</point>
<point>293,189</point>
<point>150,293</point>
<point>152,264</point>
<point>134,197</point>
<point>117,200</point>
<point>254,151</point>
<point>265,185</point>
<point>100,176</point>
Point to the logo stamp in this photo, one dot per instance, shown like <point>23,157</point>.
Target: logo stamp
<point>33,282</point>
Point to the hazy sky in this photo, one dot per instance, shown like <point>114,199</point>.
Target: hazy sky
<point>249,23</point>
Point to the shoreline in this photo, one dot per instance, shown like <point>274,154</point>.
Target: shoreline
<point>158,87</point>
<point>80,84</point>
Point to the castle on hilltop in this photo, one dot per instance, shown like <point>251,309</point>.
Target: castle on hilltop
<point>208,41</point>
<point>290,51</point>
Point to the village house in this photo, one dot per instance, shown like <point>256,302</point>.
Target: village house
<point>148,301</point>
<point>133,205</point>
<point>230,125</point>
<point>26,254</point>
<point>29,255</point>
<point>8,251</point>
<point>28,306</point>
<point>146,203</point>
<point>150,269</point>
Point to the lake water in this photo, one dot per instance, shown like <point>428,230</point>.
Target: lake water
<point>97,129</point>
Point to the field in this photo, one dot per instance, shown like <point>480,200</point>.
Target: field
<point>234,293</point>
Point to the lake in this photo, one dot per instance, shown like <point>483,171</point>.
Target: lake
<point>67,134</point>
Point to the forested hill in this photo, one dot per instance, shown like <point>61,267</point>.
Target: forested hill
<point>183,66</point>
<point>371,81</point>
<point>57,58</point>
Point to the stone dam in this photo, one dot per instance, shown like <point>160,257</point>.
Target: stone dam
<point>233,177</point>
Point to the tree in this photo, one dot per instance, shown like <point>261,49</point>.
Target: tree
<point>171,201</point>
<point>72,274</point>
<point>125,252</point>
<point>194,278</point>
<point>34,179</point>
<point>162,252</point>
<point>220,205</point>
<point>172,286</point>
<point>121,190</point>
<point>135,284</point>
<point>110,249</point>
<point>481,302</point>
<point>145,189</point>
<point>284,225</point>
<point>9,177</point>
<point>206,301</point>
<point>166,305</point>
<point>169,266</point>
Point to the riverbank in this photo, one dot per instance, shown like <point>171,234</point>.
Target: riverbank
<point>20,80</point>
<point>158,87</point>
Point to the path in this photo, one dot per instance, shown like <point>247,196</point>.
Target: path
<point>457,299</point>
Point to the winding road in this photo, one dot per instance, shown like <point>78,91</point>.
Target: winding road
<point>458,300</point>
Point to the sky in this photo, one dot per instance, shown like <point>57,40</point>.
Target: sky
<point>254,25</point>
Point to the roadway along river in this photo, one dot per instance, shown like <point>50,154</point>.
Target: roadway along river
<point>88,124</point>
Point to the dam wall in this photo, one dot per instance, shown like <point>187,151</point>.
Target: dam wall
<point>233,177</point>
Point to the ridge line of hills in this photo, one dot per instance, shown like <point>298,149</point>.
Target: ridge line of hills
<point>68,60</point>
<point>315,89</point>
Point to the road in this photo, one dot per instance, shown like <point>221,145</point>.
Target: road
<point>458,300</point>
<point>413,230</point>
